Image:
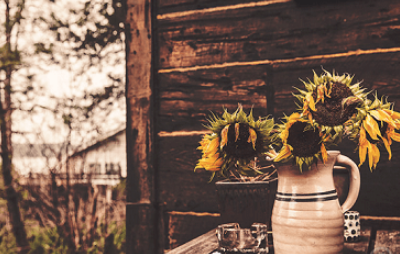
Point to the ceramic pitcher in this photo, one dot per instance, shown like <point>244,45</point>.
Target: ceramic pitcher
<point>307,216</point>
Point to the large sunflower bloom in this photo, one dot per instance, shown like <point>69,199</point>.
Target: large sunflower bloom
<point>301,141</point>
<point>236,139</point>
<point>330,101</point>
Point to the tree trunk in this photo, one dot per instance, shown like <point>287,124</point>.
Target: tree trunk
<point>68,225</point>
<point>6,149</point>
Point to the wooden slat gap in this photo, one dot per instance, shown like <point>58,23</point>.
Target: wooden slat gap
<point>379,218</point>
<point>182,133</point>
<point>282,61</point>
<point>196,214</point>
<point>219,8</point>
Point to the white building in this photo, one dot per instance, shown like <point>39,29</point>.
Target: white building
<point>104,162</point>
<point>101,163</point>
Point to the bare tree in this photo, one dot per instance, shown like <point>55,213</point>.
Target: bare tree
<point>9,60</point>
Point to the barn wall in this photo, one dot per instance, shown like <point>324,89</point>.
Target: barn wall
<point>215,54</point>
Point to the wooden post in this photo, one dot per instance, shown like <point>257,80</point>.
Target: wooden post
<point>141,212</point>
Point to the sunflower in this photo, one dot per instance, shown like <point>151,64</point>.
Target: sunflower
<point>301,141</point>
<point>331,101</point>
<point>236,139</point>
<point>378,125</point>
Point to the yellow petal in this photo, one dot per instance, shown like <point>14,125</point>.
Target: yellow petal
<point>237,131</point>
<point>328,91</point>
<point>394,114</point>
<point>387,145</point>
<point>372,127</point>
<point>252,137</point>
<point>294,117</point>
<point>324,153</point>
<point>212,147</point>
<point>309,101</point>
<point>285,135</point>
<point>373,155</point>
<point>224,136</point>
<point>320,93</point>
<point>363,145</point>
<point>212,163</point>
<point>395,136</point>
<point>309,116</point>
<point>284,153</point>
<point>382,115</point>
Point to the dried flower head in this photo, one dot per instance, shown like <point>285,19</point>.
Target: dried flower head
<point>235,139</point>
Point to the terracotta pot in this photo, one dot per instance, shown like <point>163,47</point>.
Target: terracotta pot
<point>307,216</point>
<point>245,202</point>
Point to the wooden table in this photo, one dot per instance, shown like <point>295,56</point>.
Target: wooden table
<point>381,241</point>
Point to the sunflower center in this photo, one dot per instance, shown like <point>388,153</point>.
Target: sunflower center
<point>331,112</point>
<point>239,147</point>
<point>304,143</point>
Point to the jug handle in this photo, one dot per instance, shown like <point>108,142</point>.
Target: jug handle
<point>354,187</point>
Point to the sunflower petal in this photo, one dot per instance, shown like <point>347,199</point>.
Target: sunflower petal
<point>309,102</point>
<point>394,114</point>
<point>284,153</point>
<point>387,146</point>
<point>320,93</point>
<point>363,145</point>
<point>252,137</point>
<point>374,155</point>
<point>224,136</point>
<point>382,115</point>
<point>395,136</point>
<point>324,153</point>
<point>372,127</point>
<point>236,131</point>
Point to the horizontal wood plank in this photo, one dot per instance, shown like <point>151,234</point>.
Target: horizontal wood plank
<point>186,98</point>
<point>207,242</point>
<point>377,72</point>
<point>387,240</point>
<point>277,31</point>
<point>179,6</point>
<point>185,226</point>
<point>203,244</point>
<point>360,247</point>
<point>180,187</point>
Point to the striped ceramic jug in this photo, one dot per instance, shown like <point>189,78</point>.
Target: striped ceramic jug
<point>307,216</point>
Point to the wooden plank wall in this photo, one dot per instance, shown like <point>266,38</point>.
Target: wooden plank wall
<point>214,53</point>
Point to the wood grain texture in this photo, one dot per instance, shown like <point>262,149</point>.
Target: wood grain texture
<point>183,227</point>
<point>142,223</point>
<point>203,244</point>
<point>186,99</point>
<point>207,242</point>
<point>176,6</point>
<point>180,187</point>
<point>277,31</point>
<point>360,247</point>
<point>387,240</point>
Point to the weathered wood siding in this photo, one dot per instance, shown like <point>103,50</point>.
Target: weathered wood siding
<point>211,54</point>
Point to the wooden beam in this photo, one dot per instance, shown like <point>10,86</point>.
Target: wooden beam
<point>142,234</point>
